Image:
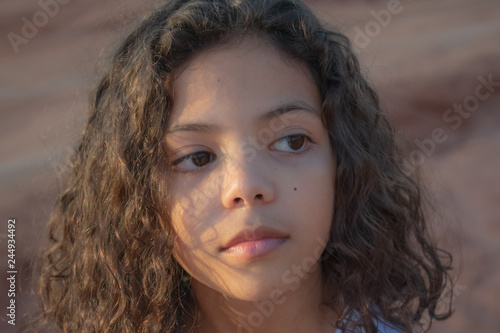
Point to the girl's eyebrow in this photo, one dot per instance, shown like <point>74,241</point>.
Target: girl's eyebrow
<point>266,117</point>
<point>282,109</point>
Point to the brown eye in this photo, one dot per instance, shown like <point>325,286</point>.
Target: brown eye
<point>293,143</point>
<point>193,161</point>
<point>296,142</point>
<point>201,158</point>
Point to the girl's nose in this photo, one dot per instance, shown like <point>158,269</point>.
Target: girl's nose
<point>247,184</point>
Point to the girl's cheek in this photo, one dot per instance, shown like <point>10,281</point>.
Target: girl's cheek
<point>190,218</point>
<point>183,216</point>
<point>190,201</point>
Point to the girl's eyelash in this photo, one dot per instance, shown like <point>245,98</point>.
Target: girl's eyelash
<point>174,163</point>
<point>180,160</point>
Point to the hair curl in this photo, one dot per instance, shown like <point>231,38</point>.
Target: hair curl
<point>109,266</point>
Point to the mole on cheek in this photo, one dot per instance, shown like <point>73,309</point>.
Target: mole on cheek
<point>295,189</point>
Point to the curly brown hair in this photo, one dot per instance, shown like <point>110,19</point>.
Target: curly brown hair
<point>109,266</point>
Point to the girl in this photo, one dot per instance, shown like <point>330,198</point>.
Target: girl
<point>237,175</point>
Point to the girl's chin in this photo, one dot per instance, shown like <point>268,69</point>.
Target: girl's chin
<point>254,291</point>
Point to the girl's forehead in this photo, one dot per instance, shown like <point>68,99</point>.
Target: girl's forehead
<point>245,77</point>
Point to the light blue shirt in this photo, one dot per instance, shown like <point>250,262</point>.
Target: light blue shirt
<point>382,327</point>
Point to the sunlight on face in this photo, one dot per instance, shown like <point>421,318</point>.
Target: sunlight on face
<point>253,170</point>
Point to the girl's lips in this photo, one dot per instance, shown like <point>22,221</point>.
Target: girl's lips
<point>254,248</point>
<point>251,243</point>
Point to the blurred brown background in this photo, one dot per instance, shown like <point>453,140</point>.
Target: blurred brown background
<point>435,64</point>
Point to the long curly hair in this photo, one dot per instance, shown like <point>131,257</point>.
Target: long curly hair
<point>109,265</point>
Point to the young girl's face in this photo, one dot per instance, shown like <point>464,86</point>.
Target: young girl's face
<point>253,171</point>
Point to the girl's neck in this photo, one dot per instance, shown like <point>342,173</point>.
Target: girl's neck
<point>296,311</point>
